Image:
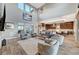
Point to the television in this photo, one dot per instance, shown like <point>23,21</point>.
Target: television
<point>2,18</point>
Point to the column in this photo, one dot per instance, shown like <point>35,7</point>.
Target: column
<point>35,20</point>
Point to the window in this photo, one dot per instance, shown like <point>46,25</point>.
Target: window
<point>20,27</point>
<point>25,7</point>
<point>21,6</point>
<point>29,28</point>
<point>28,8</point>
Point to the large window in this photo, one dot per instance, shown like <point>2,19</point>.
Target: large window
<point>28,8</point>
<point>29,28</point>
<point>25,7</point>
<point>21,6</point>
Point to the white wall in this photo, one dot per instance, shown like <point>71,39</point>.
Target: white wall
<point>76,29</point>
<point>35,21</point>
<point>1,9</point>
<point>13,15</point>
<point>57,9</point>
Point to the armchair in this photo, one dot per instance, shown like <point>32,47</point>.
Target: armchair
<point>49,50</point>
<point>22,35</point>
<point>58,37</point>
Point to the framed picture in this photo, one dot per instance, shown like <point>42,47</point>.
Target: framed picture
<point>27,17</point>
<point>9,25</point>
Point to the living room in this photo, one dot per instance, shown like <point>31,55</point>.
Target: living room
<point>30,27</point>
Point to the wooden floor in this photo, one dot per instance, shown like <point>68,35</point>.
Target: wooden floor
<point>12,48</point>
<point>70,47</point>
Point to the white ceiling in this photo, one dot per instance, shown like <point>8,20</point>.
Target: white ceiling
<point>66,18</point>
<point>37,5</point>
<point>57,10</point>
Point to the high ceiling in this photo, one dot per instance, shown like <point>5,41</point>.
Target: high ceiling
<point>66,18</point>
<point>57,10</point>
<point>37,5</point>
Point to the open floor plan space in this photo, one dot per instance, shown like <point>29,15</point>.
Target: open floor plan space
<point>39,29</point>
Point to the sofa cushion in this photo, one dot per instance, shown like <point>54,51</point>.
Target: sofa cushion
<point>60,38</point>
<point>53,42</point>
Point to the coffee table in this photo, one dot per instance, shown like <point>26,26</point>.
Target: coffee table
<point>30,45</point>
